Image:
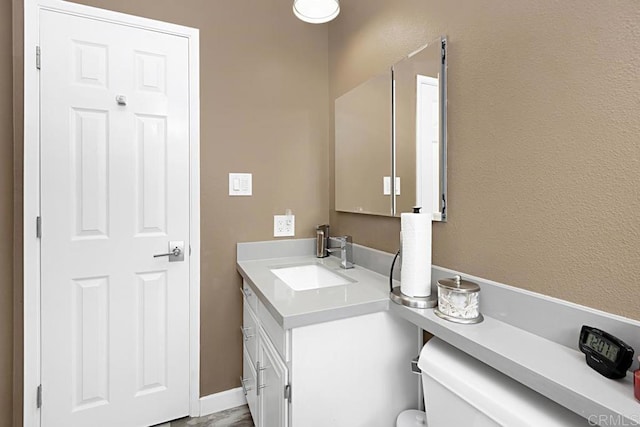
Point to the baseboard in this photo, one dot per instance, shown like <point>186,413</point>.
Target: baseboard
<point>220,401</point>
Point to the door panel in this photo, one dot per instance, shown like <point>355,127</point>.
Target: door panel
<point>115,191</point>
<point>151,174</point>
<point>90,176</point>
<point>152,333</point>
<point>250,334</point>
<point>249,380</point>
<point>272,378</point>
<point>90,342</point>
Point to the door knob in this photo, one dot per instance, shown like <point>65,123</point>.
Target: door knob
<point>176,251</point>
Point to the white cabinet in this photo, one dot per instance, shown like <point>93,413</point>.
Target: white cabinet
<point>264,372</point>
<point>341,373</point>
<point>249,382</point>
<point>273,406</point>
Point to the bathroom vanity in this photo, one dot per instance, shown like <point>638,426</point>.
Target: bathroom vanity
<point>322,354</point>
<point>314,357</point>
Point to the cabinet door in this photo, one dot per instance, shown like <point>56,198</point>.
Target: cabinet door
<point>249,384</point>
<point>250,331</point>
<point>272,380</point>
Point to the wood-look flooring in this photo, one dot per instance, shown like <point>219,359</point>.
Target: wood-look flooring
<point>235,417</point>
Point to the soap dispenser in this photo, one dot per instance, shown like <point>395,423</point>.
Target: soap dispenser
<point>322,241</point>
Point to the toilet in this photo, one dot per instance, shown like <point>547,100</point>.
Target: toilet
<point>462,391</point>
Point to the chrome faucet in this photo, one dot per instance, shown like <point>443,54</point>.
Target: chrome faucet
<point>345,248</point>
<point>323,246</point>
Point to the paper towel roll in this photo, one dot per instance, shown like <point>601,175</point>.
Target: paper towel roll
<point>415,234</point>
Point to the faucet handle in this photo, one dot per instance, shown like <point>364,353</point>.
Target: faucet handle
<point>344,240</point>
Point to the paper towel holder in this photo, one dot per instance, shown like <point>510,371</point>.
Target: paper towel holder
<point>414,302</point>
<point>398,297</point>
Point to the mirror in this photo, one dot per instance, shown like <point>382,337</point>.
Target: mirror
<point>420,130</point>
<point>394,125</point>
<point>363,149</point>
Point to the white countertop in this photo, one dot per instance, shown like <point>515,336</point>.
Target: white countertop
<point>368,293</point>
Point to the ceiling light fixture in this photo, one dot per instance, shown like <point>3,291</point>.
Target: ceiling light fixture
<point>316,11</point>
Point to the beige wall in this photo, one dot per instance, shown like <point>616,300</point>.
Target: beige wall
<point>18,72</point>
<point>6,215</point>
<point>544,160</point>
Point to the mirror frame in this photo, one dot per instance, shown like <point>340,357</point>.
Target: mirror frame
<point>443,130</point>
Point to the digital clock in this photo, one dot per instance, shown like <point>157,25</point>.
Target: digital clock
<point>608,355</point>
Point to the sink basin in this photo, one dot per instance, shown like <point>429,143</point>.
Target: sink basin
<point>309,276</point>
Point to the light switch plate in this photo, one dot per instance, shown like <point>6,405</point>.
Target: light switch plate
<point>284,225</point>
<point>386,185</point>
<point>240,184</point>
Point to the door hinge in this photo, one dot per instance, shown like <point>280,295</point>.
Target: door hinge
<point>444,207</point>
<point>38,227</point>
<point>39,397</point>
<point>38,57</point>
<point>287,392</point>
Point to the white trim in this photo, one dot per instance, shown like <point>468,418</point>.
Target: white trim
<point>221,401</point>
<point>194,226</point>
<point>114,17</point>
<point>31,207</point>
<point>31,191</point>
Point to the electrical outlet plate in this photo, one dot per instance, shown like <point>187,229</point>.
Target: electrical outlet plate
<point>284,225</point>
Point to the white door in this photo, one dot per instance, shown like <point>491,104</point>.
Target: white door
<point>428,145</point>
<point>115,191</point>
<point>273,407</point>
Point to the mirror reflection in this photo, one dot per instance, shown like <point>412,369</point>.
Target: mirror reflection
<point>420,131</point>
<point>363,148</point>
<point>391,139</point>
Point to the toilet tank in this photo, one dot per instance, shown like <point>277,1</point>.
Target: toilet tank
<point>459,390</point>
